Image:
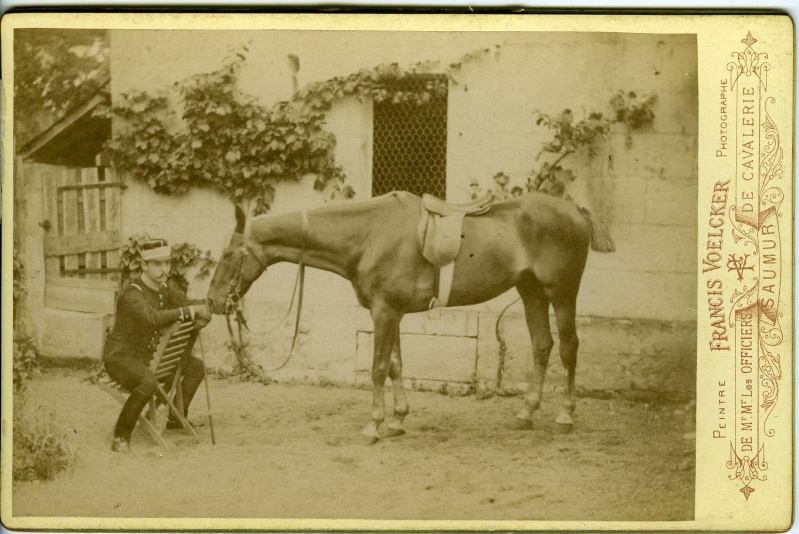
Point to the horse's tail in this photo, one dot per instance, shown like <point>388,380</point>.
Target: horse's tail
<point>601,240</point>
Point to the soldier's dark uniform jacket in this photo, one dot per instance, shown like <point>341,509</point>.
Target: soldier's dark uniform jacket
<point>141,313</point>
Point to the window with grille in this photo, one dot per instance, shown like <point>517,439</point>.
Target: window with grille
<point>410,143</point>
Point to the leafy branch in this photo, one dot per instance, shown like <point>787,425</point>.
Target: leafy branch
<point>232,143</point>
<point>184,257</point>
<point>26,352</point>
<point>570,136</point>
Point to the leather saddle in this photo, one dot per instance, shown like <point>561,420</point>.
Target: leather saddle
<point>439,237</point>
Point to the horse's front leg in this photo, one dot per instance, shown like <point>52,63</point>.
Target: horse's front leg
<point>386,336</point>
<point>400,402</point>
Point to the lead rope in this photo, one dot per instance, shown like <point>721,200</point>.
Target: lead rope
<point>301,278</point>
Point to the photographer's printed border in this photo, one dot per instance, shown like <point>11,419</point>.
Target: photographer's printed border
<point>756,310</point>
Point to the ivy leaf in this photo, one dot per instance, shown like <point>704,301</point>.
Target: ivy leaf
<point>196,143</point>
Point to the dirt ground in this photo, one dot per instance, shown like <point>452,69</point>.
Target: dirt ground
<point>292,451</point>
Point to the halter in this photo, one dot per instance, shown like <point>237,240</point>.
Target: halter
<point>234,293</point>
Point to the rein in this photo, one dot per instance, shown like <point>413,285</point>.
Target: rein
<point>299,281</point>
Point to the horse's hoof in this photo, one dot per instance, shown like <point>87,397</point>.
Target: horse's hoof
<point>368,440</point>
<point>563,428</point>
<point>394,432</point>
<point>520,424</point>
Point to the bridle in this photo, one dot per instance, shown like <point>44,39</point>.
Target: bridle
<point>234,296</point>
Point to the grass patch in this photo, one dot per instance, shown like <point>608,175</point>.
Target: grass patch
<point>41,448</point>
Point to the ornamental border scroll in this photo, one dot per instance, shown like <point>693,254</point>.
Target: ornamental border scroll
<point>755,312</point>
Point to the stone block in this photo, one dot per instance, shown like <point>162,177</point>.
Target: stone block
<point>687,256</point>
<point>451,323</point>
<point>443,322</point>
<point>326,339</point>
<point>677,112</point>
<point>445,358</point>
<point>331,344</point>
<point>663,64</point>
<point>639,294</point>
<point>487,348</point>
<point>214,339</point>
<point>656,155</point>
<point>319,377</point>
<point>670,203</point>
<point>364,349</point>
<point>643,248</point>
<point>68,334</point>
<point>627,210</point>
<point>518,347</point>
<point>412,323</point>
<point>363,320</point>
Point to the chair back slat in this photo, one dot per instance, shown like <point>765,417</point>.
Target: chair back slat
<point>179,347</point>
<point>166,373</point>
<point>176,342</point>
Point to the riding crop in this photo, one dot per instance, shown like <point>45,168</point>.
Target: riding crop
<point>207,392</point>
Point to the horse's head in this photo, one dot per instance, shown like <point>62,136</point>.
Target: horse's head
<point>239,266</point>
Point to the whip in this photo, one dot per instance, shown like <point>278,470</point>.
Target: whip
<point>207,392</point>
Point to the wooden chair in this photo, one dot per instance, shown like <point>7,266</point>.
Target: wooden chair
<point>167,366</point>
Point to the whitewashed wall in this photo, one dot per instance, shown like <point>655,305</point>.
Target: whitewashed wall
<point>645,191</point>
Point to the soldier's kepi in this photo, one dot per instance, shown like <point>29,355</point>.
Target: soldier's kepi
<point>144,306</point>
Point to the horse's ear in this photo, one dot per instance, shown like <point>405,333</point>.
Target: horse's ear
<point>241,220</point>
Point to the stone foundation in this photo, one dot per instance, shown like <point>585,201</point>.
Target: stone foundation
<point>455,347</point>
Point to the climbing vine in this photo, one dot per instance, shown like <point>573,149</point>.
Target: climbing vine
<point>184,257</point>
<point>570,136</point>
<point>234,144</point>
<point>26,352</point>
<point>228,141</point>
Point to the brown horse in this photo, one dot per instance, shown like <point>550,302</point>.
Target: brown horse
<point>535,243</point>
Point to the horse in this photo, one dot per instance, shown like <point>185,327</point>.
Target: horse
<point>534,242</point>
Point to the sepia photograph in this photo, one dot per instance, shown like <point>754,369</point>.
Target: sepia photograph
<point>327,274</point>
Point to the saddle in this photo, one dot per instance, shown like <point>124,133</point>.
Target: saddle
<point>439,237</point>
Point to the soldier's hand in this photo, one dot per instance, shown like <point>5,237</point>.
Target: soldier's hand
<point>201,323</point>
<point>201,311</point>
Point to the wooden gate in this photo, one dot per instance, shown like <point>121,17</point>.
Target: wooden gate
<point>82,240</point>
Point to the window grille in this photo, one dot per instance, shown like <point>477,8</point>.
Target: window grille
<point>410,142</point>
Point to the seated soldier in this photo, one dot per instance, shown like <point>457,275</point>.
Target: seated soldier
<point>144,307</point>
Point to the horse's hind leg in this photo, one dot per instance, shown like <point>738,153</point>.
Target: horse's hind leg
<point>400,402</point>
<point>536,310</point>
<point>386,334</point>
<point>565,309</point>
